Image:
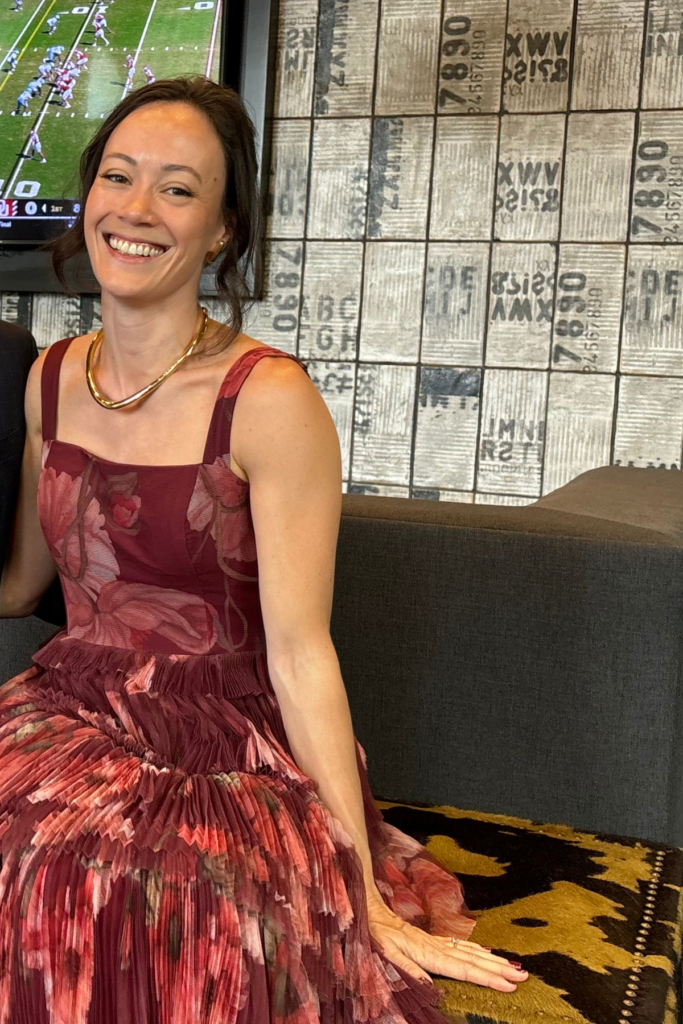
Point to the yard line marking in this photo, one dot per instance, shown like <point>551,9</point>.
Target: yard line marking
<point>28,43</point>
<point>24,29</point>
<point>43,112</point>
<point>142,39</point>
<point>214,33</point>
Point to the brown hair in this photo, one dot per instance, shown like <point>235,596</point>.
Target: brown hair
<point>241,207</point>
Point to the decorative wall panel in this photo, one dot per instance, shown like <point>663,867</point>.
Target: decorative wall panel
<point>474,238</point>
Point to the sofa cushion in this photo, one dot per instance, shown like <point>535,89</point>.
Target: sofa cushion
<point>595,918</point>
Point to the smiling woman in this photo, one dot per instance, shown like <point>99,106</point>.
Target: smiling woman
<point>218,169</point>
<point>187,832</point>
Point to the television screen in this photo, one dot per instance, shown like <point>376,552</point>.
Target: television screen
<point>64,66</point>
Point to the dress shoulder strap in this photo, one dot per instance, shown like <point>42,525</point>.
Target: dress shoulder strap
<point>218,440</point>
<point>49,386</point>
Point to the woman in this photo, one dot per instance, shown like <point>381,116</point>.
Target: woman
<point>186,827</point>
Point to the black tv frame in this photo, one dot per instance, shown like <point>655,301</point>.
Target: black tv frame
<point>250,69</point>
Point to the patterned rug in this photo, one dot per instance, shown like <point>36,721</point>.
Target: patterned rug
<point>596,919</point>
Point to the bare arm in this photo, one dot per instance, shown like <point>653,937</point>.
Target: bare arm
<point>29,568</point>
<point>285,440</point>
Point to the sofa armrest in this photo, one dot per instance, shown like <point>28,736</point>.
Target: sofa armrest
<point>642,498</point>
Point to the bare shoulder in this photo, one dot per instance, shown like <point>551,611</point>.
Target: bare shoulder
<point>74,357</point>
<point>36,371</point>
<point>278,380</point>
<point>32,403</point>
<point>280,413</point>
<point>33,385</point>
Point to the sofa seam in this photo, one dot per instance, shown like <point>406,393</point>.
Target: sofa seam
<point>492,529</point>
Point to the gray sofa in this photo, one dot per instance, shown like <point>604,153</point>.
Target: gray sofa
<point>525,661</point>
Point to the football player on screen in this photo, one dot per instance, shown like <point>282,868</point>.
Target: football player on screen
<point>130,64</point>
<point>67,73</point>
<point>46,74</point>
<point>12,58</point>
<point>22,104</point>
<point>18,5</point>
<point>53,52</point>
<point>99,24</point>
<point>65,85</point>
<point>35,87</point>
<point>149,74</point>
<point>66,91</point>
<point>34,146</point>
<point>52,24</point>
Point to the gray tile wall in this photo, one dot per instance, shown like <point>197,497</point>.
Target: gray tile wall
<point>475,238</point>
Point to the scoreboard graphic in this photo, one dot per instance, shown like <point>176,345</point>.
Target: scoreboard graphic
<point>475,238</point>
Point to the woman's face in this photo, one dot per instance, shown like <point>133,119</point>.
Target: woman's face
<point>158,189</point>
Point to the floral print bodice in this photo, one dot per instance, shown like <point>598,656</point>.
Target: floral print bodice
<point>154,558</point>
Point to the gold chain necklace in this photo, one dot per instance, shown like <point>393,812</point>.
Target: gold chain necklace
<point>107,403</point>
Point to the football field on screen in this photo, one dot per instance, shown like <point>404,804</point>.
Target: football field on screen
<point>171,37</point>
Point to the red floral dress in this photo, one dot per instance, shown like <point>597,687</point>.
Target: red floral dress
<point>164,860</point>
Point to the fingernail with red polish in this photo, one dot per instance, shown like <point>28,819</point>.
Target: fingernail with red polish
<point>515,963</point>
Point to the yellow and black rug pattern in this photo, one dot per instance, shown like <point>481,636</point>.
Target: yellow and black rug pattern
<point>596,919</point>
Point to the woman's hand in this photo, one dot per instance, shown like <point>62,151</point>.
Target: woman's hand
<point>417,952</point>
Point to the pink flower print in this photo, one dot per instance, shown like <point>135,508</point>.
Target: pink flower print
<point>121,506</point>
<point>127,613</point>
<point>80,607</point>
<point>220,501</point>
<point>125,510</point>
<point>74,526</point>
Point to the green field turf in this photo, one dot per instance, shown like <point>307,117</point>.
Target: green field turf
<point>173,38</point>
